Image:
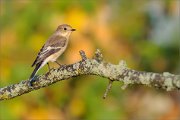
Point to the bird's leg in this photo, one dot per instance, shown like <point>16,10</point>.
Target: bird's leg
<point>61,66</point>
<point>31,82</point>
<point>58,63</point>
<point>49,67</point>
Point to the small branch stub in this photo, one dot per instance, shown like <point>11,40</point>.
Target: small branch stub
<point>96,66</point>
<point>108,89</point>
<point>98,56</point>
<point>83,55</point>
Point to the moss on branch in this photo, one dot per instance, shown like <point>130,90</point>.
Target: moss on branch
<point>96,66</point>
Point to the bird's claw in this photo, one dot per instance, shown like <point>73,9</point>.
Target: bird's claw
<point>31,81</point>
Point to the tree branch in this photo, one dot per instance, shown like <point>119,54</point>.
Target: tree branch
<point>96,66</point>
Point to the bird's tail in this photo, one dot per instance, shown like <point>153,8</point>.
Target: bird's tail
<point>38,66</point>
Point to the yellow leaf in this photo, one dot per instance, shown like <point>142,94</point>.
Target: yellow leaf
<point>77,107</point>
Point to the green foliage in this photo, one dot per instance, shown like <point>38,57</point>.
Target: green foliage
<point>122,29</point>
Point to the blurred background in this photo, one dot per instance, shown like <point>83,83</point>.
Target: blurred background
<point>144,33</point>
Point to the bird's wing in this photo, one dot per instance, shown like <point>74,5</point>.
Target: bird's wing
<point>53,45</point>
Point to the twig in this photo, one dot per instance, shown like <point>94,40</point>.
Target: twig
<point>99,67</point>
<point>108,89</point>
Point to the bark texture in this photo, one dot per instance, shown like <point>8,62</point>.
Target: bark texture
<point>95,66</point>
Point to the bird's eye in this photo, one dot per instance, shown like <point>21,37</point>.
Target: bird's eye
<point>65,28</point>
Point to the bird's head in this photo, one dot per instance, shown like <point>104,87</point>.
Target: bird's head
<point>64,30</point>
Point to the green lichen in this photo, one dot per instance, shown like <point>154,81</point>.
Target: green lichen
<point>166,74</point>
<point>178,83</point>
<point>126,82</point>
<point>153,76</point>
<point>122,64</point>
<point>96,67</point>
<point>4,95</point>
<point>145,79</point>
<point>168,84</point>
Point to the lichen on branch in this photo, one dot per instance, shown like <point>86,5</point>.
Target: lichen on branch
<point>95,66</point>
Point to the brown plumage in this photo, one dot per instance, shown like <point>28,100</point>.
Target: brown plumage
<point>56,42</point>
<point>53,48</point>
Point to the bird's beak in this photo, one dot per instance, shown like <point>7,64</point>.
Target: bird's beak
<point>73,29</point>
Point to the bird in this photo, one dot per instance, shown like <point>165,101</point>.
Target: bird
<point>54,47</point>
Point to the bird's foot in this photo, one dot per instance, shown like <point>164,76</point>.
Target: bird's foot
<point>60,65</point>
<point>31,81</point>
<point>63,66</point>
